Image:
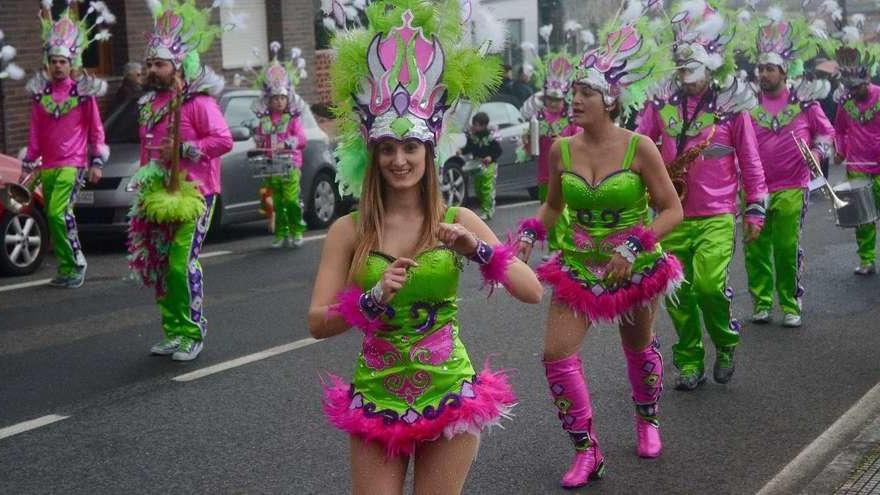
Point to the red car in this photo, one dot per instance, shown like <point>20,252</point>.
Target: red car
<point>24,238</point>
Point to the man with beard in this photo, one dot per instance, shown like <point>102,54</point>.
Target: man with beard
<point>708,143</point>
<point>165,241</point>
<point>66,140</point>
<point>858,132</point>
<point>781,113</point>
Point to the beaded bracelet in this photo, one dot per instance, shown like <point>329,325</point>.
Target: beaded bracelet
<point>370,302</point>
<point>482,254</point>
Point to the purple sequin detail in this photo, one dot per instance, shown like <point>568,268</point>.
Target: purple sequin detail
<point>194,269</point>
<point>411,416</point>
<point>430,310</point>
<point>400,101</point>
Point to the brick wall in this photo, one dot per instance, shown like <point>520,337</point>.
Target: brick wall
<point>321,76</point>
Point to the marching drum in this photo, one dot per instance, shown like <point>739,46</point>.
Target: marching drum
<point>860,207</point>
<point>265,163</point>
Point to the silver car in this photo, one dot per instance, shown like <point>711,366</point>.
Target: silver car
<point>104,206</point>
<point>515,176</point>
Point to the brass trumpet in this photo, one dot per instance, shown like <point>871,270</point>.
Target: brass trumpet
<point>16,196</point>
<point>816,170</point>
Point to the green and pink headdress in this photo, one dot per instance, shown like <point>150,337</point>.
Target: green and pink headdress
<point>783,40</point>
<point>700,35</point>
<point>281,79</point>
<point>398,76</point>
<point>182,31</point>
<point>69,36</point>
<point>625,63</point>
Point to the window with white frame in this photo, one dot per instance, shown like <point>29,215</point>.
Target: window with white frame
<point>238,44</point>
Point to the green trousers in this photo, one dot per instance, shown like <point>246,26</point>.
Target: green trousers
<point>866,235</point>
<point>705,248</point>
<point>181,306</point>
<point>778,251</point>
<point>554,234</point>
<point>60,186</point>
<point>287,204</point>
<point>484,183</point>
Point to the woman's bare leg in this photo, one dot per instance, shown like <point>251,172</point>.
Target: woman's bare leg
<point>442,466</point>
<point>372,472</point>
<point>564,334</point>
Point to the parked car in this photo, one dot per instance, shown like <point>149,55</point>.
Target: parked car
<point>25,237</point>
<point>105,206</point>
<point>514,176</point>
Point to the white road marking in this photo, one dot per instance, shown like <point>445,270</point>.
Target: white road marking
<point>314,237</point>
<point>213,254</point>
<point>825,447</point>
<point>32,424</point>
<point>250,358</point>
<point>517,205</point>
<point>24,285</point>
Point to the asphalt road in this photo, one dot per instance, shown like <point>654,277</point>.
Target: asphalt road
<point>258,428</point>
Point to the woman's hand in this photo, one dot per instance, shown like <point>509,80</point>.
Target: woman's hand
<point>456,237</point>
<point>394,278</point>
<point>618,270</point>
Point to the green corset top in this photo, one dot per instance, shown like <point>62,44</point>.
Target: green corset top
<point>417,362</point>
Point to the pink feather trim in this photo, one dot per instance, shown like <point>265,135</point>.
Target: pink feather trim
<point>349,309</point>
<point>495,271</point>
<point>646,236</point>
<point>535,225</point>
<point>611,306</point>
<point>491,400</point>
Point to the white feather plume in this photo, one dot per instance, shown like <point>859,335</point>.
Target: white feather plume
<point>303,74</point>
<point>744,16</point>
<point>7,53</point>
<point>711,27</point>
<point>488,27</point>
<point>545,31</point>
<point>300,63</point>
<point>103,35</point>
<point>588,38</point>
<point>850,34</point>
<point>295,52</point>
<point>222,3</point>
<point>155,7</point>
<point>572,25</point>
<point>857,20</point>
<point>633,11</point>
<point>530,52</point>
<point>774,13</point>
<point>14,71</point>
<point>46,4</point>
<point>274,47</point>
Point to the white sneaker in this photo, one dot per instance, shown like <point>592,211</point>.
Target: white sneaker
<point>296,241</point>
<point>188,349</point>
<point>865,269</point>
<point>762,316</point>
<point>166,347</point>
<point>279,243</point>
<point>791,320</point>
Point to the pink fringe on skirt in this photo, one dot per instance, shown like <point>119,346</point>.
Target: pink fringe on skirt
<point>489,399</point>
<point>610,305</point>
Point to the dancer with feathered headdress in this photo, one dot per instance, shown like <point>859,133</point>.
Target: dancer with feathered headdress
<point>611,268</point>
<point>700,118</point>
<point>392,268</point>
<point>66,141</point>
<point>177,184</point>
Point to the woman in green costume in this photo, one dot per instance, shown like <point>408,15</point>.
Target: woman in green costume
<point>610,268</point>
<point>392,268</point>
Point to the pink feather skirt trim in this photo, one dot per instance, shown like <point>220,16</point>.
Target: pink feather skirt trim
<point>481,402</point>
<point>604,305</point>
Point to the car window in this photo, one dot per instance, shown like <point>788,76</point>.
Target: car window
<point>238,111</point>
<point>497,113</point>
<point>122,125</point>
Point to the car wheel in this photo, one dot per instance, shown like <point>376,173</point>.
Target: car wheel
<point>25,240</point>
<point>453,185</point>
<point>323,202</point>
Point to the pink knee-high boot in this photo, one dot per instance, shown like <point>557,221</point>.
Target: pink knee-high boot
<point>645,370</point>
<point>572,397</point>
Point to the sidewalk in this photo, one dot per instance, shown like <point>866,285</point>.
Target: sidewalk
<point>856,470</point>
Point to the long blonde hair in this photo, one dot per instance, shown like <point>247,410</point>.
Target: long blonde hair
<point>372,209</point>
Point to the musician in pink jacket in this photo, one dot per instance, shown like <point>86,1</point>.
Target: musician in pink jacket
<point>708,143</point>
<point>164,245</point>
<point>774,260</point>
<point>858,137</point>
<point>66,141</point>
<point>280,130</point>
